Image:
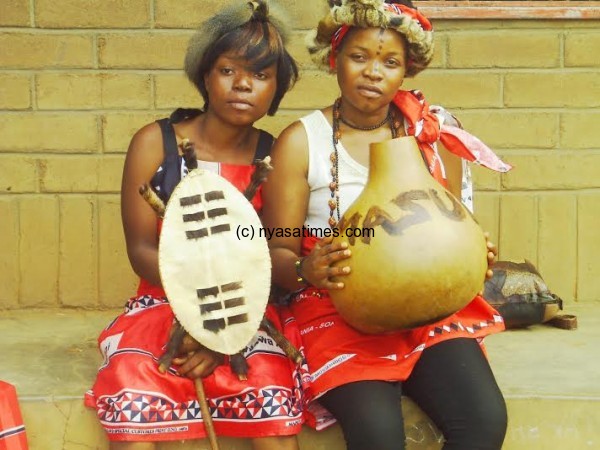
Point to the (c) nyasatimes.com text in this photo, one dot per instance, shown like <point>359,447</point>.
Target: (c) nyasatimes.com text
<point>249,232</point>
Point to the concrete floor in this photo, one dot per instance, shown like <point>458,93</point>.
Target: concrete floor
<point>550,378</point>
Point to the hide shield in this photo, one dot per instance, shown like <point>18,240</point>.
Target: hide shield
<point>217,281</point>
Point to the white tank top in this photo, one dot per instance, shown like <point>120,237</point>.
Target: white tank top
<point>352,175</point>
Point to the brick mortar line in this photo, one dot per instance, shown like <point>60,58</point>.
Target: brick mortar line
<point>59,193</point>
<point>42,156</point>
<point>75,31</point>
<point>153,99</point>
<point>508,151</point>
<point>98,249</point>
<point>485,29</point>
<point>114,194</point>
<point>592,70</point>
<point>502,86</point>
<point>152,11</point>
<point>577,240</point>
<point>522,28</point>
<point>131,111</point>
<point>547,151</point>
<point>92,70</point>
<point>542,192</point>
<point>509,11</point>
<point>486,26</point>
<point>95,53</point>
<point>538,192</point>
<point>32,13</point>
<point>100,134</point>
<point>33,92</point>
<point>507,70</point>
<point>539,224</point>
<point>491,26</point>
<point>561,54</point>
<point>19,277</point>
<point>545,109</point>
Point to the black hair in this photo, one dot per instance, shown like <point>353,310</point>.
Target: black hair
<point>258,42</point>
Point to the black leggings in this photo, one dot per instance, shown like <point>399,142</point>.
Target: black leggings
<point>452,383</point>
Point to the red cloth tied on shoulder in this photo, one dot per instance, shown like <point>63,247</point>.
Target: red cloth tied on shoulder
<point>424,124</point>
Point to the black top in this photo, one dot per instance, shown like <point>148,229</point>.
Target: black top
<point>168,174</point>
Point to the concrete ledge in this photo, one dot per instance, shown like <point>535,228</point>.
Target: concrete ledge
<point>548,376</point>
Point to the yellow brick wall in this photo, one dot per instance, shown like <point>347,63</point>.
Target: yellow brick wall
<point>78,77</point>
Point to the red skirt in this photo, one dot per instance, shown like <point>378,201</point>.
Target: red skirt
<point>12,430</point>
<point>135,402</point>
<point>337,354</point>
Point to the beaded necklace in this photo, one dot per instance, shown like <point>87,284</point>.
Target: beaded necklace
<point>334,201</point>
<point>385,120</point>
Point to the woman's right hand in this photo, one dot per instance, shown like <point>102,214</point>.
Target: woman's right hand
<point>317,266</point>
<point>199,363</point>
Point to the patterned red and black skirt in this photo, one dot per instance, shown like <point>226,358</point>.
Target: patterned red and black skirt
<point>135,402</point>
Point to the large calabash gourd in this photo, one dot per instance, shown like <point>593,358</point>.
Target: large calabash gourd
<point>425,258</point>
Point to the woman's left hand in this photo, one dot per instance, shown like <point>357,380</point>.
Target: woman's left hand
<point>491,255</point>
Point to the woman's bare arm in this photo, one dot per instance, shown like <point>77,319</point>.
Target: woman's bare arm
<point>285,196</point>
<point>144,156</point>
<point>285,202</point>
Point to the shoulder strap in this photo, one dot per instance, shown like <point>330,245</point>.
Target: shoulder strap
<point>181,114</point>
<point>263,147</point>
<point>171,163</point>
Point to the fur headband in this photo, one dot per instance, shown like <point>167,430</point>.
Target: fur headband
<point>409,22</point>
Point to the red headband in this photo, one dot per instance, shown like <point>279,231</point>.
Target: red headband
<point>400,10</point>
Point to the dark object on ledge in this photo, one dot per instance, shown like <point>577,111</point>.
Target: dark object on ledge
<point>519,293</point>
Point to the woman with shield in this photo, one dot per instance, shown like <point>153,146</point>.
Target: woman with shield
<point>238,62</point>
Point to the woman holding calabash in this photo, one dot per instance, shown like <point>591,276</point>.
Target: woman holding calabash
<point>320,169</point>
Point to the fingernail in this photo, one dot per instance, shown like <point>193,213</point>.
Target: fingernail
<point>347,253</point>
<point>346,269</point>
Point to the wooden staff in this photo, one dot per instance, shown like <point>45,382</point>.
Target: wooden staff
<point>208,423</point>
<point>153,200</point>
<point>290,351</point>
<point>263,167</point>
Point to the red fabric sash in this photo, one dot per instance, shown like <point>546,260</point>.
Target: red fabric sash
<point>425,125</point>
